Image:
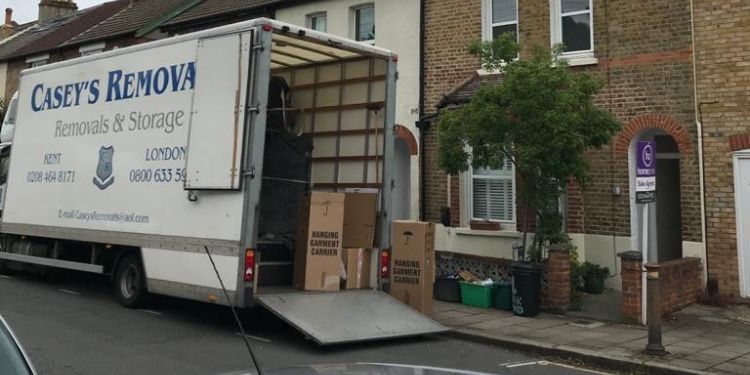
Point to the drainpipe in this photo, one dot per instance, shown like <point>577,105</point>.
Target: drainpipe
<point>699,130</point>
<point>422,124</point>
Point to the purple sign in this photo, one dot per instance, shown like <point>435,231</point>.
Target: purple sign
<point>645,172</point>
<point>646,156</point>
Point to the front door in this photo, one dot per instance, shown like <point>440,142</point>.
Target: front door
<point>742,206</point>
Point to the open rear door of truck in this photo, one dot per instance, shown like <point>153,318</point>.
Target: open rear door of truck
<point>348,316</point>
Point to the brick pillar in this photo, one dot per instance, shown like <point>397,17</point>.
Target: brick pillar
<point>558,276</point>
<point>455,201</point>
<point>631,272</point>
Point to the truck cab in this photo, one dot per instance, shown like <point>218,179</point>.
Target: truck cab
<point>6,136</point>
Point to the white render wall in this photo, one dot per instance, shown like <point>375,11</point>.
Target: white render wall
<point>396,29</point>
<point>598,249</point>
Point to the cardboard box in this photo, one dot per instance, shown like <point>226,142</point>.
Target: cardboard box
<point>317,250</point>
<point>360,214</point>
<point>413,263</point>
<point>357,265</point>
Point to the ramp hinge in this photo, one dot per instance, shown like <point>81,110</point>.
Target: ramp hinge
<point>258,46</point>
<point>255,108</point>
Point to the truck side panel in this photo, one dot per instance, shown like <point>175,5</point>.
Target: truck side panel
<point>102,145</point>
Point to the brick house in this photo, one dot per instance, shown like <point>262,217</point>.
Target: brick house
<point>59,22</point>
<point>722,68</point>
<point>642,53</point>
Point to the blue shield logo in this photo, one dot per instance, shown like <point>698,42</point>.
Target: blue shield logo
<point>104,177</point>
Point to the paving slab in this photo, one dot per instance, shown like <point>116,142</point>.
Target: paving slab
<point>696,346</point>
<point>686,363</point>
<point>731,368</point>
<point>492,324</point>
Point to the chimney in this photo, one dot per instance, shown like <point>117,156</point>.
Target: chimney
<point>49,9</point>
<point>7,28</point>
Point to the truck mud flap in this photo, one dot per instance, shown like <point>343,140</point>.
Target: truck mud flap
<point>348,316</point>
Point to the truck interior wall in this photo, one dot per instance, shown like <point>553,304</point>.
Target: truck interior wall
<point>336,110</point>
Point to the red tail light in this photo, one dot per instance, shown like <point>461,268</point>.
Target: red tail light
<point>385,263</point>
<point>249,265</point>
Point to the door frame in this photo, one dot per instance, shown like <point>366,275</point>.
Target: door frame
<point>736,158</point>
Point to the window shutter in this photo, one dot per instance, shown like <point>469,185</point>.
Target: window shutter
<point>480,198</point>
<point>500,196</point>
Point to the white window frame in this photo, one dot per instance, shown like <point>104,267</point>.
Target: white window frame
<point>90,49</point>
<point>353,23</point>
<point>309,19</point>
<point>487,24</point>
<point>38,60</point>
<point>470,193</point>
<point>583,57</point>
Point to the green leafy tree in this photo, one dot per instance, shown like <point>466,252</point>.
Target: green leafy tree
<point>541,116</point>
<point>3,110</point>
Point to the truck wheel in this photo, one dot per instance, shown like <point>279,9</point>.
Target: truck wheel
<point>130,282</point>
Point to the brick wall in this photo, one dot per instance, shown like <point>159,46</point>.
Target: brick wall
<point>681,282</point>
<point>556,297</point>
<point>631,268</point>
<point>722,42</point>
<point>645,65</point>
<point>449,27</point>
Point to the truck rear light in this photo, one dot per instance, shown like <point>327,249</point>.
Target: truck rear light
<point>267,27</point>
<point>385,263</point>
<point>249,265</point>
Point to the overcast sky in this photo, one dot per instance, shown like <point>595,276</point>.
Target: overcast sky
<point>27,10</point>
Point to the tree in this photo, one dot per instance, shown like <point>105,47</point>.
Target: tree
<point>541,116</point>
<point>3,110</point>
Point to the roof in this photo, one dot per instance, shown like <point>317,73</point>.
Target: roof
<point>17,32</point>
<point>213,8</point>
<point>71,27</point>
<point>136,15</point>
<point>466,89</point>
<point>31,35</point>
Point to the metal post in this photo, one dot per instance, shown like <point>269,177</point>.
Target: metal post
<point>654,346</point>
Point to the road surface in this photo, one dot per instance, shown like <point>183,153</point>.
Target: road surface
<point>70,323</point>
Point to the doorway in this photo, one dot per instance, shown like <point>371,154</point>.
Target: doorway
<point>742,210</point>
<point>668,199</point>
<point>402,176</point>
<point>665,214</point>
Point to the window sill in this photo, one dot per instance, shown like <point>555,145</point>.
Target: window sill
<point>580,59</point>
<point>487,233</point>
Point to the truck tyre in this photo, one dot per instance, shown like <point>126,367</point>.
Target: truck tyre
<point>130,282</point>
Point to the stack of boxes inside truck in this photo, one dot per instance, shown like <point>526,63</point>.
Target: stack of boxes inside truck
<point>335,243</point>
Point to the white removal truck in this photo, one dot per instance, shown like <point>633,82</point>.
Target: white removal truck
<point>135,161</point>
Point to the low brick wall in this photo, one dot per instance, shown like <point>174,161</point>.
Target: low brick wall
<point>681,282</point>
<point>556,297</point>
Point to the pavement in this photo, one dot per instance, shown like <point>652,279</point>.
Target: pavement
<point>71,324</point>
<point>699,339</point>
